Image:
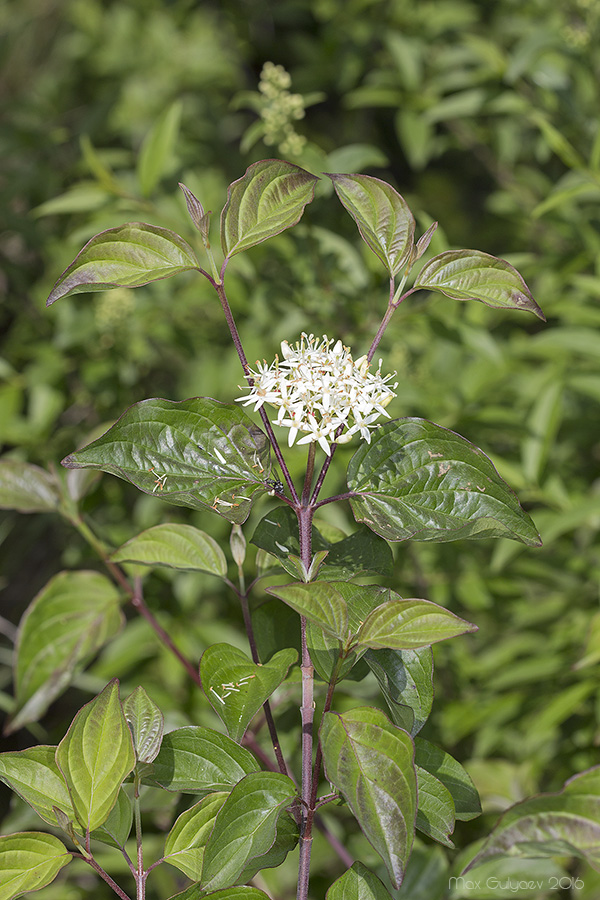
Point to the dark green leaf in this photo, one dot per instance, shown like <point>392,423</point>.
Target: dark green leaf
<point>324,652</point>
<point>27,488</point>
<point>197,453</point>
<point>158,149</point>
<point>194,892</point>
<point>419,480</point>
<point>266,200</point>
<point>426,874</point>
<point>562,824</point>
<point>245,827</point>
<point>198,760</point>
<point>361,553</point>
<point>34,776</point>
<point>473,275</point>
<point>285,841</point>
<point>450,772</point>
<point>174,546</point>
<point>237,688</point>
<point>276,627</point>
<point>435,813</point>
<point>357,883</point>
<point>408,624</point>
<point>95,756</point>
<point>146,723</point>
<point>74,615</point>
<point>370,761</point>
<point>384,220</point>
<point>29,861</point>
<point>127,256</point>
<point>406,680</point>
<point>186,841</point>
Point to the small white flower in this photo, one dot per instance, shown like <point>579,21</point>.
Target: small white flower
<point>317,389</point>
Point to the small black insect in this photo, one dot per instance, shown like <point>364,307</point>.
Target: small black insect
<point>276,487</point>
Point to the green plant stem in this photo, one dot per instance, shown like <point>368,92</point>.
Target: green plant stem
<point>307,712</point>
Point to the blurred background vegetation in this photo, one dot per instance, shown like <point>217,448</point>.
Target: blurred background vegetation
<point>485,117</point>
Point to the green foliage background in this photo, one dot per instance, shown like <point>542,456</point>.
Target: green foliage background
<point>485,117</point>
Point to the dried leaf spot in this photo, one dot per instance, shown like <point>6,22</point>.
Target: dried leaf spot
<point>434,455</point>
<point>443,468</point>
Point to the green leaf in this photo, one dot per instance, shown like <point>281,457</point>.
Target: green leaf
<point>450,772</point>
<point>29,861</point>
<point>562,824</point>
<point>117,827</point>
<point>146,723</point>
<point>320,602</point>
<point>370,761</point>
<point>324,653</point>
<point>245,827</point>
<point>406,680</point>
<point>27,488</point>
<point>435,813</point>
<point>408,624</point>
<point>384,220</point>
<point>361,553</point>
<point>71,618</point>
<point>200,219</point>
<point>197,453</point>
<point>285,841</point>
<point>174,546</point>
<point>266,200</point>
<point>473,275</point>
<point>127,256</point>
<point>357,883</point>
<point>198,760</point>
<point>158,148</point>
<point>186,841</point>
<point>236,688</point>
<point>194,892</point>
<point>426,874</point>
<point>34,776</point>
<point>421,481</point>
<point>95,756</point>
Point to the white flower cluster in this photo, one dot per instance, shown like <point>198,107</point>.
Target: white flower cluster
<point>319,389</point>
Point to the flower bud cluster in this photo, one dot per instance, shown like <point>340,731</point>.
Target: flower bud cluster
<point>320,390</point>
<point>279,110</point>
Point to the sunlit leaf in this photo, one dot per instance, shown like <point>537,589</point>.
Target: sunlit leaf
<point>383,217</point>
<point>127,256</point>
<point>34,776</point>
<point>175,546</point>
<point>74,615</point>
<point>266,200</point>
<point>95,756</point>
<point>146,723</point>
<point>319,601</point>
<point>158,148</point>
<point>473,275</point>
<point>186,841</point>
<point>419,480</point>
<point>435,813</point>
<point>197,453</point>
<point>236,687</point>
<point>29,861</point>
<point>408,624</point>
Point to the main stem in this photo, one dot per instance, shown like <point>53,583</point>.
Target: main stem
<point>307,711</point>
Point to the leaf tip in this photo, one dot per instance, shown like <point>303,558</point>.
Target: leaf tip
<point>69,462</point>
